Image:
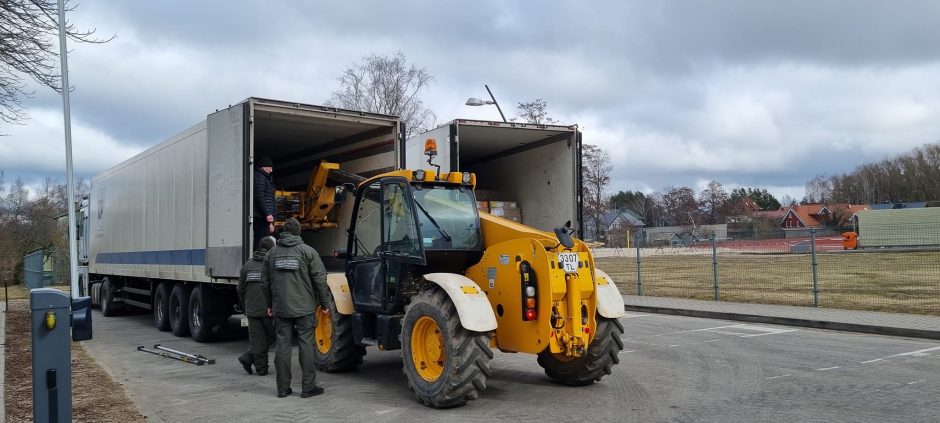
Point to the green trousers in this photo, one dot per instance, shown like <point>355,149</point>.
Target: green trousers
<point>260,338</point>
<point>284,327</point>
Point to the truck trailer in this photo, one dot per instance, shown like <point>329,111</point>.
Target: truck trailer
<point>168,229</point>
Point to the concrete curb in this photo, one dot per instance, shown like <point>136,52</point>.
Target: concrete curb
<point>792,321</point>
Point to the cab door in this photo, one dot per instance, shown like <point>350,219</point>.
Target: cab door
<point>384,241</point>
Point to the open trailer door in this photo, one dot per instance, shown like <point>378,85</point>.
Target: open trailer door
<point>228,196</point>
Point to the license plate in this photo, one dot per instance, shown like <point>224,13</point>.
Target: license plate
<point>569,262</point>
<point>244,322</point>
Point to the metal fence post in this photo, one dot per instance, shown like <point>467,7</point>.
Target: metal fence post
<point>715,263</point>
<point>639,280</point>
<point>812,234</point>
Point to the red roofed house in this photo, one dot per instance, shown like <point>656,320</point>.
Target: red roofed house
<point>818,216</point>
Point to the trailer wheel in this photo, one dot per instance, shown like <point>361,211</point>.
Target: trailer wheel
<point>161,307</point>
<point>336,349</point>
<point>600,357</point>
<point>200,323</point>
<point>446,365</point>
<point>108,306</point>
<point>179,310</point>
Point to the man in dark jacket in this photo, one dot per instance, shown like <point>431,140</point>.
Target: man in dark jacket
<point>294,281</point>
<point>260,325</point>
<point>265,206</point>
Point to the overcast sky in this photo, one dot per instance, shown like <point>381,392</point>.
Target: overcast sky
<point>748,93</point>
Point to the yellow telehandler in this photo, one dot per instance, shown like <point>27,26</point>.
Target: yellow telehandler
<point>426,273</point>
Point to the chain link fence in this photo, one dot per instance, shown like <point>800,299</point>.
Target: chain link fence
<point>893,269</point>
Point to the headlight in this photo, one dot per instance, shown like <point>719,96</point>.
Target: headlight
<point>466,177</point>
<point>419,175</point>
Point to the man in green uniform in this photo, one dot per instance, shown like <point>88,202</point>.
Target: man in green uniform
<point>260,325</point>
<point>294,281</point>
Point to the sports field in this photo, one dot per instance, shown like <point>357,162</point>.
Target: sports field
<point>903,281</point>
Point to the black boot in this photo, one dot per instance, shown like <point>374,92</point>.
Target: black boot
<point>312,393</point>
<point>246,361</point>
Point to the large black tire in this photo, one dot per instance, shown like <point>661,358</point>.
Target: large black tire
<point>161,307</point>
<point>601,356</point>
<point>200,323</point>
<point>108,307</point>
<point>179,310</point>
<point>466,354</point>
<point>335,348</point>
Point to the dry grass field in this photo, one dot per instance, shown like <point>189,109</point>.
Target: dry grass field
<point>903,282</point>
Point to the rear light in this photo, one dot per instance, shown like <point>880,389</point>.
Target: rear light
<point>529,291</point>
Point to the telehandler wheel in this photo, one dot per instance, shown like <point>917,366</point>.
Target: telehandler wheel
<point>601,355</point>
<point>446,365</point>
<point>335,349</point>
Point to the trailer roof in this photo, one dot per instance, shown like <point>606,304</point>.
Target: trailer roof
<point>481,139</point>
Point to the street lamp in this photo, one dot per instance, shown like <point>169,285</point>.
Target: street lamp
<point>473,101</point>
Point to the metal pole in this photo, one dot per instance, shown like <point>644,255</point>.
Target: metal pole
<point>812,234</point>
<point>715,263</point>
<point>639,281</point>
<point>491,96</point>
<point>73,248</point>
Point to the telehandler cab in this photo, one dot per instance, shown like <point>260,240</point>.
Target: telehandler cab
<point>428,274</point>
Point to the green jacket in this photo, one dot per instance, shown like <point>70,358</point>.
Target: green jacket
<point>250,291</point>
<point>294,278</point>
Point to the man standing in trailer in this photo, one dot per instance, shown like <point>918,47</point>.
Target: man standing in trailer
<point>265,206</point>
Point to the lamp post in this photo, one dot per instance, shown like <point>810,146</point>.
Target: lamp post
<point>473,101</point>
<point>73,248</point>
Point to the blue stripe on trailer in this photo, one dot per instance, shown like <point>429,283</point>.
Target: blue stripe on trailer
<point>196,257</point>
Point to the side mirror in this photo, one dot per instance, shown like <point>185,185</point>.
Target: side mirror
<point>564,236</point>
<point>339,196</point>
<point>81,319</point>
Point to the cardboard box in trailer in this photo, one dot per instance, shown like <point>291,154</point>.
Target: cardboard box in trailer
<point>168,229</point>
<point>529,173</point>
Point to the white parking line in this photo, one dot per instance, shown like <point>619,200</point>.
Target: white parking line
<point>769,333</point>
<point>630,316</point>
<point>778,377</point>
<point>712,340</point>
<point>917,353</point>
<point>628,351</point>
<point>673,346</point>
<point>700,330</point>
<point>828,368</point>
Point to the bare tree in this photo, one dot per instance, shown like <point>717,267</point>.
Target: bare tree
<point>386,85</point>
<point>29,31</point>
<point>713,202</point>
<point>595,174</point>
<point>534,112</point>
<point>680,207</point>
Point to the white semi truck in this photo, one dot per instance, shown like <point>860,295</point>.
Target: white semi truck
<point>168,229</point>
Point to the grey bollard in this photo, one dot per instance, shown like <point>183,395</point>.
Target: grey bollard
<point>50,313</point>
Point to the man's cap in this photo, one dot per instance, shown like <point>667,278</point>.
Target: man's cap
<point>264,162</point>
<point>267,243</point>
<point>291,226</point>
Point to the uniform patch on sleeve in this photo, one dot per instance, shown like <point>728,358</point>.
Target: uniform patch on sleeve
<point>253,277</point>
<point>286,263</point>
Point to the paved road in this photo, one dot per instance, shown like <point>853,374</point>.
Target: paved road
<point>672,369</point>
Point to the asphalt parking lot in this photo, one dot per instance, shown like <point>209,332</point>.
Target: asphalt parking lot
<point>672,368</point>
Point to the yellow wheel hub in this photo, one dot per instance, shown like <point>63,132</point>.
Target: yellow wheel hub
<point>324,331</point>
<point>427,349</point>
